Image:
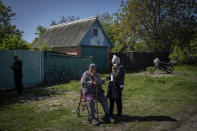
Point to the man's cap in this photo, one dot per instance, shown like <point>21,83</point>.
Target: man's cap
<point>93,66</point>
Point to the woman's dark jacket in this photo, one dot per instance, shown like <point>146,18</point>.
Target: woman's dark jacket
<point>114,91</point>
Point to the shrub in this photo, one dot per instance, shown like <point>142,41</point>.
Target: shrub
<point>178,55</point>
<point>149,69</point>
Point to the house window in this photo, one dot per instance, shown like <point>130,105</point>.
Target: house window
<point>95,32</point>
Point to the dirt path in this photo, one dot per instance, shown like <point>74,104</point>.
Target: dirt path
<point>186,121</point>
<point>155,74</point>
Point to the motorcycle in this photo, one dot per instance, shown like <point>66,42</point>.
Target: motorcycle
<point>162,65</point>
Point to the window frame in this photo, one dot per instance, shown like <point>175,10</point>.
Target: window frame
<point>95,31</point>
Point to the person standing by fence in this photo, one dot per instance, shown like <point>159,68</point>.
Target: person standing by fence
<point>116,85</point>
<point>17,68</point>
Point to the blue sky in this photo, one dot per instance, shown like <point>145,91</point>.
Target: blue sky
<point>31,13</point>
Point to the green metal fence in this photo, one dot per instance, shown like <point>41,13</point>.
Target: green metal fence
<point>32,67</point>
<point>36,65</point>
<point>72,66</point>
<point>99,54</point>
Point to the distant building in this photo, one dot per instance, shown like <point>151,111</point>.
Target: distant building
<point>81,38</point>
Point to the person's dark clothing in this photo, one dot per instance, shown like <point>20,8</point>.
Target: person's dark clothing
<point>115,87</point>
<point>119,75</point>
<point>17,68</point>
<point>119,106</point>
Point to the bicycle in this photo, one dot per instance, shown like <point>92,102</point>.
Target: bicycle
<point>57,77</point>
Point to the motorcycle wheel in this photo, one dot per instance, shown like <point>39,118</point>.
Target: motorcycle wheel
<point>169,69</point>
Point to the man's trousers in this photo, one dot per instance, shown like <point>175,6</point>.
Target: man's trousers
<point>102,99</point>
<point>119,106</point>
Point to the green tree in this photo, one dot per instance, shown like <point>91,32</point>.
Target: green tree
<point>10,36</point>
<point>159,24</point>
<point>40,30</point>
<point>13,42</point>
<point>106,21</point>
<point>193,45</point>
<point>122,37</point>
<point>43,46</point>
<point>112,27</point>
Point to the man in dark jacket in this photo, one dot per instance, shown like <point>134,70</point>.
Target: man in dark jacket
<point>17,68</point>
<point>116,85</point>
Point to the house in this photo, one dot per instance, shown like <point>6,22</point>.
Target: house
<point>81,38</point>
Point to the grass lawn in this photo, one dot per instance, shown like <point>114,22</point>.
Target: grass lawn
<point>148,99</point>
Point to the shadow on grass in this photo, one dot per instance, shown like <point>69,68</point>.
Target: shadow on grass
<point>9,97</point>
<point>126,118</point>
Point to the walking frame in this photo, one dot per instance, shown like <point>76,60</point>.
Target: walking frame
<point>83,105</point>
<point>96,101</point>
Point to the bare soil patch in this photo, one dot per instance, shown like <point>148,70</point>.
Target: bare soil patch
<point>156,74</point>
<point>194,79</point>
<point>186,121</point>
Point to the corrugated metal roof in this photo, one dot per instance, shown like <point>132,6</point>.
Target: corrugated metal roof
<point>66,34</point>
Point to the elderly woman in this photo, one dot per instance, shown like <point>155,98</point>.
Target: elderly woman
<point>116,85</point>
<point>92,89</point>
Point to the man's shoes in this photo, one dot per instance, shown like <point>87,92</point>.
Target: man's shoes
<point>111,120</point>
<point>119,115</point>
<point>108,119</point>
<point>95,122</point>
<point>111,114</point>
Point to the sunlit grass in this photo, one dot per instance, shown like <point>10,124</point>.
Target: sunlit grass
<point>54,108</point>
